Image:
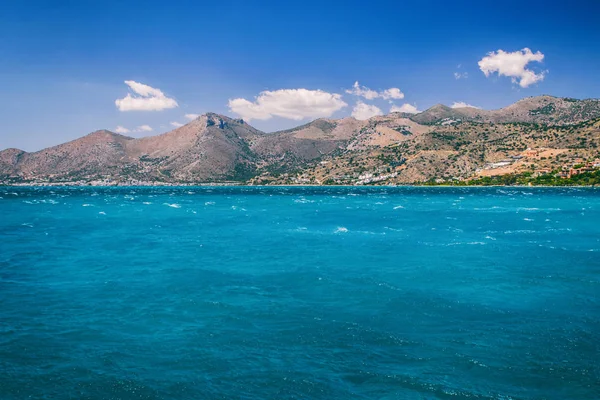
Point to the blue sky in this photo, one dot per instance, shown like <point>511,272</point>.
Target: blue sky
<point>64,63</point>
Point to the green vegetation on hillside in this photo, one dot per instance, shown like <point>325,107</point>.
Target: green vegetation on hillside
<point>528,178</point>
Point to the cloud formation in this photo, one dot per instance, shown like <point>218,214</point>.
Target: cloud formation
<point>405,108</point>
<point>121,129</point>
<point>458,75</point>
<point>362,111</point>
<point>295,104</point>
<point>142,128</point>
<point>176,124</point>
<point>462,104</point>
<point>144,98</point>
<point>192,116</point>
<point>363,91</point>
<point>513,65</point>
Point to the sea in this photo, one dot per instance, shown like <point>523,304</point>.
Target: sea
<point>299,293</point>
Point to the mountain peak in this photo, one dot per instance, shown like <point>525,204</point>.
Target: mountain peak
<point>437,107</point>
<point>103,133</point>
<point>435,114</point>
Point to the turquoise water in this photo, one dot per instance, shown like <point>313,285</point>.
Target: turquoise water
<point>316,293</point>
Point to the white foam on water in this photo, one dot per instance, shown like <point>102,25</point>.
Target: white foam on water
<point>87,205</point>
<point>510,232</point>
<point>387,285</point>
<point>392,229</point>
<point>370,233</point>
<point>303,200</point>
<point>478,363</point>
<point>174,205</point>
<point>398,207</point>
<point>147,202</point>
<point>466,243</point>
<point>209,203</point>
<point>102,213</point>
<point>527,219</point>
<point>341,229</point>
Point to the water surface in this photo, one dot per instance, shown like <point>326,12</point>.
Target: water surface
<point>320,293</point>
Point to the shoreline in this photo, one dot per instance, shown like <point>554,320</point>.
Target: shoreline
<point>291,185</point>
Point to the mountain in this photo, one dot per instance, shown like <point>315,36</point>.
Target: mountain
<point>441,143</point>
<point>541,110</point>
<point>294,148</point>
<point>440,113</point>
<point>212,147</point>
<point>78,157</point>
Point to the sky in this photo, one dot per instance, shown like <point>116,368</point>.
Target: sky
<point>68,68</point>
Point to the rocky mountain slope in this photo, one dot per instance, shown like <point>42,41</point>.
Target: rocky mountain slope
<point>542,110</point>
<point>440,144</point>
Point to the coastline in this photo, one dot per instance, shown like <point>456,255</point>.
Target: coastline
<point>242,185</point>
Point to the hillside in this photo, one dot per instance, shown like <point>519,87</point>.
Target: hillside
<point>535,135</point>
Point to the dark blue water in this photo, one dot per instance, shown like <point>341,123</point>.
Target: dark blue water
<point>316,293</point>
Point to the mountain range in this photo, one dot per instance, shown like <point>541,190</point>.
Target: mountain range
<point>441,143</point>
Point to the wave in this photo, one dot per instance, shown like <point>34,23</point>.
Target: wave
<point>303,200</point>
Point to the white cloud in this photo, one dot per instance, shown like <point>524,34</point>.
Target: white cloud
<point>513,65</point>
<point>141,128</point>
<point>176,124</point>
<point>405,108</point>
<point>458,75</point>
<point>145,98</point>
<point>120,129</point>
<point>462,104</point>
<point>144,128</point>
<point>293,104</point>
<point>192,116</point>
<point>392,93</point>
<point>364,111</point>
<point>363,91</point>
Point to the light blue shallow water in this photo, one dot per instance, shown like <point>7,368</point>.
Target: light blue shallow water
<point>320,293</point>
